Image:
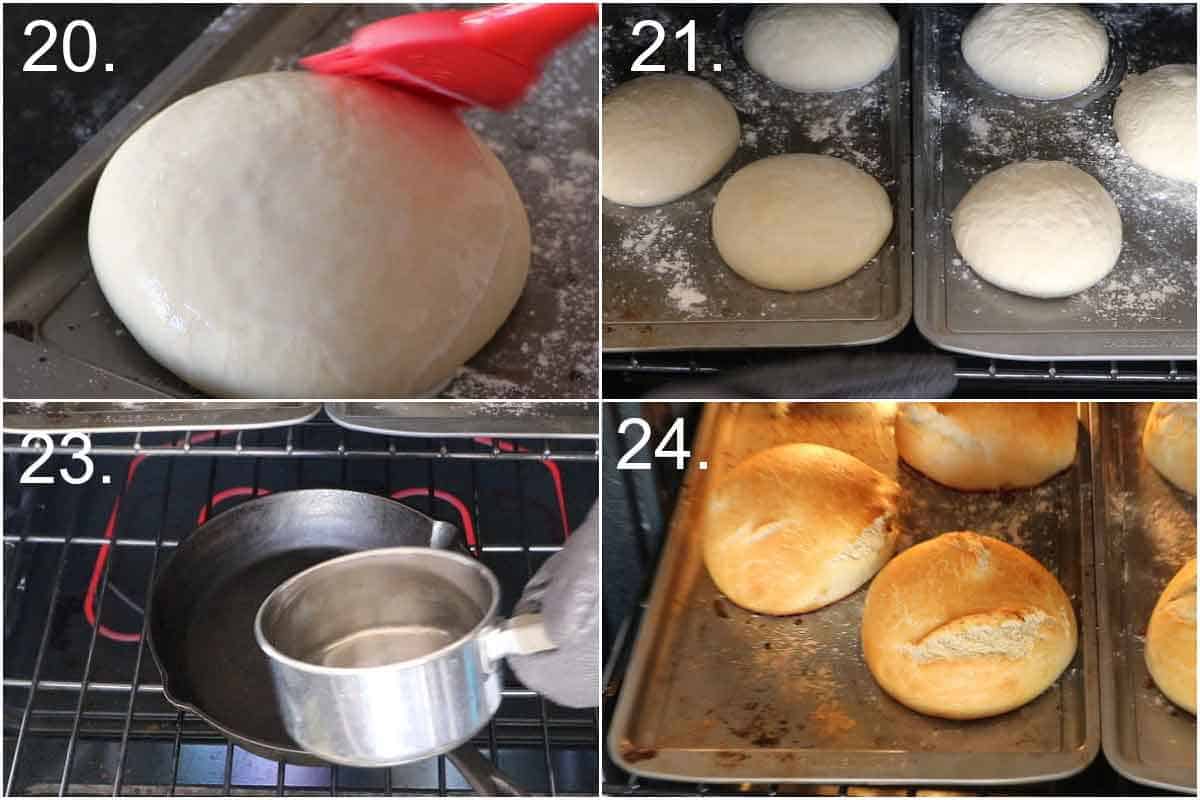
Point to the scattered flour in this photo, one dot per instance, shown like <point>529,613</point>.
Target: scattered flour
<point>979,131</point>
<point>661,264</point>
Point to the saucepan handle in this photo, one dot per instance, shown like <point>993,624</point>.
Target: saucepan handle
<point>484,777</point>
<point>444,536</point>
<point>520,635</point>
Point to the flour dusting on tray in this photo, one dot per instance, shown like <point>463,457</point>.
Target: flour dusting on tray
<point>979,130</point>
<point>661,265</point>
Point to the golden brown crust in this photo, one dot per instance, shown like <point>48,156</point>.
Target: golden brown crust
<point>797,527</point>
<point>1171,639</point>
<point>964,626</point>
<point>987,446</point>
<point>1169,442</point>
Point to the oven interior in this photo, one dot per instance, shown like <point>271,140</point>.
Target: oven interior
<point>83,706</point>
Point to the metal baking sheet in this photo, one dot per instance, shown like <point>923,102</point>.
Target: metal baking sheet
<point>548,144</point>
<point>665,285</point>
<point>1146,308</point>
<point>544,420</point>
<point>1145,531</point>
<point>715,693</point>
<point>157,415</point>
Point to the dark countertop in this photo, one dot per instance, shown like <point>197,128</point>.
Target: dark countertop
<point>48,115</point>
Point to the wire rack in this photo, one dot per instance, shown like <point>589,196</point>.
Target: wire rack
<point>86,715</point>
<point>975,374</point>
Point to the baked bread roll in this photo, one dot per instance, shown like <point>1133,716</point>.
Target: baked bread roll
<point>797,527</point>
<point>1171,639</point>
<point>1169,442</point>
<point>986,446</point>
<point>963,626</point>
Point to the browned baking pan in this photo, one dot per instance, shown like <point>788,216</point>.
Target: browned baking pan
<point>714,693</point>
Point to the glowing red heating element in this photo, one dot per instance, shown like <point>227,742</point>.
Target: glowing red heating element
<point>464,514</point>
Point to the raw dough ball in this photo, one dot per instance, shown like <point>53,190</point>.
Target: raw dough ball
<point>964,626</point>
<point>1169,442</point>
<point>1155,119</point>
<point>987,446</point>
<point>799,221</point>
<point>1041,51</point>
<point>664,136</point>
<point>797,527</point>
<point>1171,639</point>
<point>295,235</point>
<point>821,48</point>
<point>1040,228</point>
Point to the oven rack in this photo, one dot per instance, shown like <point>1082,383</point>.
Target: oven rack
<point>107,728</point>
<point>968,367</point>
<point>974,373</point>
<point>290,449</point>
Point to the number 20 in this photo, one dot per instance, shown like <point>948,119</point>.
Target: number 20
<point>688,31</point>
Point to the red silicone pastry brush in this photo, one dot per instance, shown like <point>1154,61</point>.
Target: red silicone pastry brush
<point>474,58</point>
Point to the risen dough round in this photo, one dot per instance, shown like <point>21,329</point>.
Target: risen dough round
<point>664,136</point>
<point>797,527</point>
<point>800,221</point>
<point>964,626</point>
<point>1169,442</point>
<point>1039,228</point>
<point>1171,639</point>
<point>294,235</point>
<point>1155,120</point>
<point>1039,51</point>
<point>820,48</point>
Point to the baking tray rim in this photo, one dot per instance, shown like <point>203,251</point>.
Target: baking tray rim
<point>868,331</point>
<point>303,412</point>
<point>1169,778</point>
<point>1052,766</point>
<point>927,313</point>
<point>337,415</point>
<point>986,345</point>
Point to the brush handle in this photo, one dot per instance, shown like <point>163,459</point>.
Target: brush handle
<point>528,32</point>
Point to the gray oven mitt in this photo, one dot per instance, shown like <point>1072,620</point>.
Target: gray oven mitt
<point>818,376</point>
<point>566,590</point>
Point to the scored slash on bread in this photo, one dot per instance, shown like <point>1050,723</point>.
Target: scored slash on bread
<point>964,626</point>
<point>1169,442</point>
<point>798,526</point>
<point>987,446</point>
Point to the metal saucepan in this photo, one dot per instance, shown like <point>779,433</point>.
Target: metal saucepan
<point>390,656</point>
<point>201,616</point>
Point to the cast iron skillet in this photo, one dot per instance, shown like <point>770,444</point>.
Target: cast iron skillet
<point>201,625</point>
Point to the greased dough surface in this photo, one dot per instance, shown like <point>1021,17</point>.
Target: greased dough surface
<point>1041,51</point>
<point>820,47</point>
<point>294,235</point>
<point>664,136</point>
<point>1155,120</point>
<point>800,221</point>
<point>1039,228</point>
<point>964,626</point>
<point>797,527</point>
